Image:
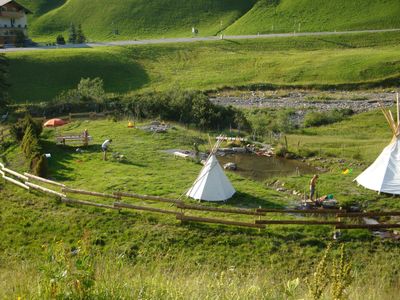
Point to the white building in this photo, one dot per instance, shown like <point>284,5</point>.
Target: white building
<point>13,19</point>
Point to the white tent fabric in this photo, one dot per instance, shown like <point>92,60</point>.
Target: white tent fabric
<point>384,173</point>
<point>212,183</point>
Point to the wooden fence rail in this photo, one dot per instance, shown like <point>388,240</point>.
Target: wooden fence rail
<point>369,214</point>
<point>367,226</point>
<point>16,182</point>
<point>223,210</point>
<point>30,176</point>
<point>147,197</point>
<point>144,208</point>
<point>45,190</point>
<point>87,203</point>
<point>16,174</point>
<point>83,192</point>
<point>185,218</point>
<point>297,222</point>
<point>301,211</point>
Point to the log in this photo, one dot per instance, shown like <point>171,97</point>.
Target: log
<point>2,173</point>
<point>369,214</point>
<point>217,209</point>
<point>77,191</point>
<point>16,182</point>
<point>80,202</point>
<point>367,226</point>
<point>152,209</point>
<point>294,222</point>
<point>30,176</point>
<point>16,174</point>
<point>147,197</point>
<point>218,221</point>
<point>301,211</point>
<point>44,190</point>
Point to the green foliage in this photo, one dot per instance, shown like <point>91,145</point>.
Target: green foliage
<point>19,128</point>
<point>3,82</point>
<point>341,275</point>
<point>319,280</point>
<point>72,34</point>
<point>91,89</point>
<point>80,36</point>
<point>313,119</point>
<point>39,165</point>
<point>20,38</point>
<point>60,40</point>
<point>68,273</point>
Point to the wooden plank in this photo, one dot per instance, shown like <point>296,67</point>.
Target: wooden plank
<point>83,192</point>
<point>147,197</point>
<point>369,214</point>
<point>301,211</point>
<point>367,226</point>
<point>218,221</point>
<point>217,209</point>
<point>87,203</point>
<point>16,174</point>
<point>44,190</point>
<point>296,222</point>
<point>152,209</point>
<point>30,176</point>
<point>16,182</point>
<point>2,173</point>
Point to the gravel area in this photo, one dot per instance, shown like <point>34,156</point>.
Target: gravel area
<point>302,100</point>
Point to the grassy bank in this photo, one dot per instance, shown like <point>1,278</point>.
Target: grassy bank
<point>337,61</point>
<point>154,256</point>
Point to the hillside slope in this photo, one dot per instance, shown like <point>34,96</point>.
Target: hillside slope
<point>317,15</point>
<point>101,19</point>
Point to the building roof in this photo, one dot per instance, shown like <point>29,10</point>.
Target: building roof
<point>4,2</point>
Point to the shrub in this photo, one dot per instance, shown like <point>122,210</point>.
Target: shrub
<point>60,40</point>
<point>319,118</point>
<point>18,129</point>
<point>39,165</point>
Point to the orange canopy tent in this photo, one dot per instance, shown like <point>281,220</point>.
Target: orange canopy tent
<point>54,123</point>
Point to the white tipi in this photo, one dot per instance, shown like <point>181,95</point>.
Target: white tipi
<point>384,173</point>
<point>212,183</point>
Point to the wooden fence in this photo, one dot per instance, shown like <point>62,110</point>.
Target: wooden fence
<point>25,181</point>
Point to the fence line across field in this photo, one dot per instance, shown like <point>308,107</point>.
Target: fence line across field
<point>180,205</point>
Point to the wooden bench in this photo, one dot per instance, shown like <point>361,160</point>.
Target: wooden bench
<point>74,138</point>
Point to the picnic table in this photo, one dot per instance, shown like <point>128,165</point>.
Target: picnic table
<point>73,138</point>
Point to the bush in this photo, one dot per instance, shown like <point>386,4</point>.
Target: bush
<point>319,118</point>
<point>39,165</point>
<point>18,129</point>
<point>60,40</point>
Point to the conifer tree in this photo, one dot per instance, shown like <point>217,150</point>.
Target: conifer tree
<point>72,34</point>
<point>80,37</point>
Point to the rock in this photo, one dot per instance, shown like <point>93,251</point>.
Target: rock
<point>230,166</point>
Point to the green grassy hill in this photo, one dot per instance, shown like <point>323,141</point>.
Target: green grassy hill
<point>317,15</point>
<point>301,61</point>
<point>139,18</point>
<point>171,18</point>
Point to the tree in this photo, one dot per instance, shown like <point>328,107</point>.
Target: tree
<point>60,40</point>
<point>91,89</point>
<point>3,82</point>
<point>72,34</point>
<point>20,38</point>
<point>80,37</point>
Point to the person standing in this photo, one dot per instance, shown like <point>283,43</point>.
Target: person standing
<point>313,184</point>
<point>104,147</point>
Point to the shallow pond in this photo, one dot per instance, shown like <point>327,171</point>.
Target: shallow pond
<point>262,167</point>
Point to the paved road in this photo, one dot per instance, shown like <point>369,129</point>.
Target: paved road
<point>195,39</point>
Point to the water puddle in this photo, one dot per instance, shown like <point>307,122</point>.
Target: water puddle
<point>261,167</point>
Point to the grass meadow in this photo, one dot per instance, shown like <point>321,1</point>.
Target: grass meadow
<point>130,254</point>
<point>315,62</point>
